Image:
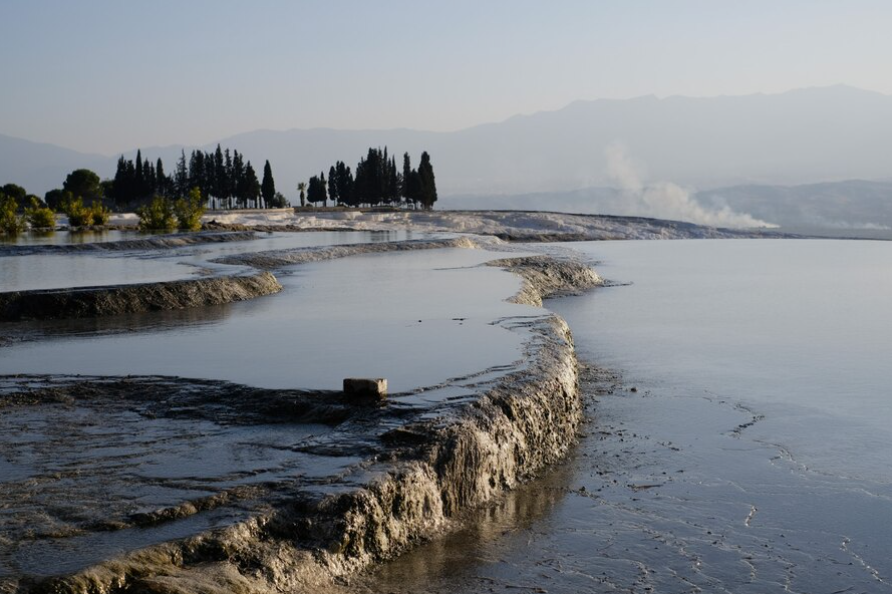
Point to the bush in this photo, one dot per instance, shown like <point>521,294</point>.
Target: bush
<point>156,216</point>
<point>55,199</point>
<point>99,214</point>
<point>10,221</point>
<point>78,214</point>
<point>39,217</point>
<point>189,210</point>
<point>279,201</point>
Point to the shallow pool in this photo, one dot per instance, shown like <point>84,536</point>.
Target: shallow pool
<point>416,318</point>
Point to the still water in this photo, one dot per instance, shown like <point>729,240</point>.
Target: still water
<point>51,271</point>
<point>799,330</point>
<point>32,238</point>
<point>34,262</point>
<point>753,455</point>
<point>417,318</point>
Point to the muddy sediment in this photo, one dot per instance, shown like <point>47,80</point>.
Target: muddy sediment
<point>90,302</point>
<point>420,474</point>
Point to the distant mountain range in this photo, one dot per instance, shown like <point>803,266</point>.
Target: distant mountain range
<point>40,167</point>
<point>804,136</point>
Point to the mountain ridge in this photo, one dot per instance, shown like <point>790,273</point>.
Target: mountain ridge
<point>803,135</point>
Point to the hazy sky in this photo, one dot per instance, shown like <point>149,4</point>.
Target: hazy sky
<point>108,76</point>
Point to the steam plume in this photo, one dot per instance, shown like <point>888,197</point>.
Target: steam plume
<point>666,200</point>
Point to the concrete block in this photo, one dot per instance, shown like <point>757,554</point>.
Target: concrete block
<point>366,388</point>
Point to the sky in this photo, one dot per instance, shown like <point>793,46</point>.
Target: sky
<point>107,76</point>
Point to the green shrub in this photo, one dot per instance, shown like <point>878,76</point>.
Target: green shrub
<point>10,221</point>
<point>39,217</point>
<point>189,210</point>
<point>156,216</point>
<point>99,214</point>
<point>78,214</point>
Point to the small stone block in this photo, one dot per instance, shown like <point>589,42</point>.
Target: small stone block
<point>366,388</point>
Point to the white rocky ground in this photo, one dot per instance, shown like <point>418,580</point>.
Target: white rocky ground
<point>508,224</point>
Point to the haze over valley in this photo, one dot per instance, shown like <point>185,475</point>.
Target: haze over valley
<point>723,161</point>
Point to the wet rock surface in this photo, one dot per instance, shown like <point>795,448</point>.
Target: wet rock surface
<point>546,277</point>
<point>101,301</point>
<point>219,487</point>
<point>91,302</point>
<point>278,258</point>
<point>482,556</point>
<point>148,459</point>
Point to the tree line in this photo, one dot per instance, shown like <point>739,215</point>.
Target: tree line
<point>376,181</point>
<point>223,178</point>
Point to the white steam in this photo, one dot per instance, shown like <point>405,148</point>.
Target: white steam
<point>665,200</point>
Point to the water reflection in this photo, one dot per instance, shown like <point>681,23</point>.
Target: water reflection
<point>31,238</point>
<point>144,322</point>
<point>410,317</point>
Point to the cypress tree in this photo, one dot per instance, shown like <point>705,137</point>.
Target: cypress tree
<point>428,184</point>
<point>268,186</point>
<point>385,177</point>
<point>210,177</point>
<point>360,185</point>
<point>372,186</point>
<point>148,184</point>
<point>161,181</point>
<point>313,191</point>
<point>131,184</point>
<point>349,187</point>
<point>251,185</point>
<point>196,173</point>
<point>334,189</point>
<point>230,184</point>
<point>238,178</point>
<point>221,182</point>
<point>140,181</point>
<point>344,182</point>
<point>181,177</point>
<point>322,191</point>
<point>393,182</point>
<point>407,175</point>
<point>121,184</point>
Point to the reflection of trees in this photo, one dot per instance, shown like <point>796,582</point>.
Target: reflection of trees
<point>144,322</point>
